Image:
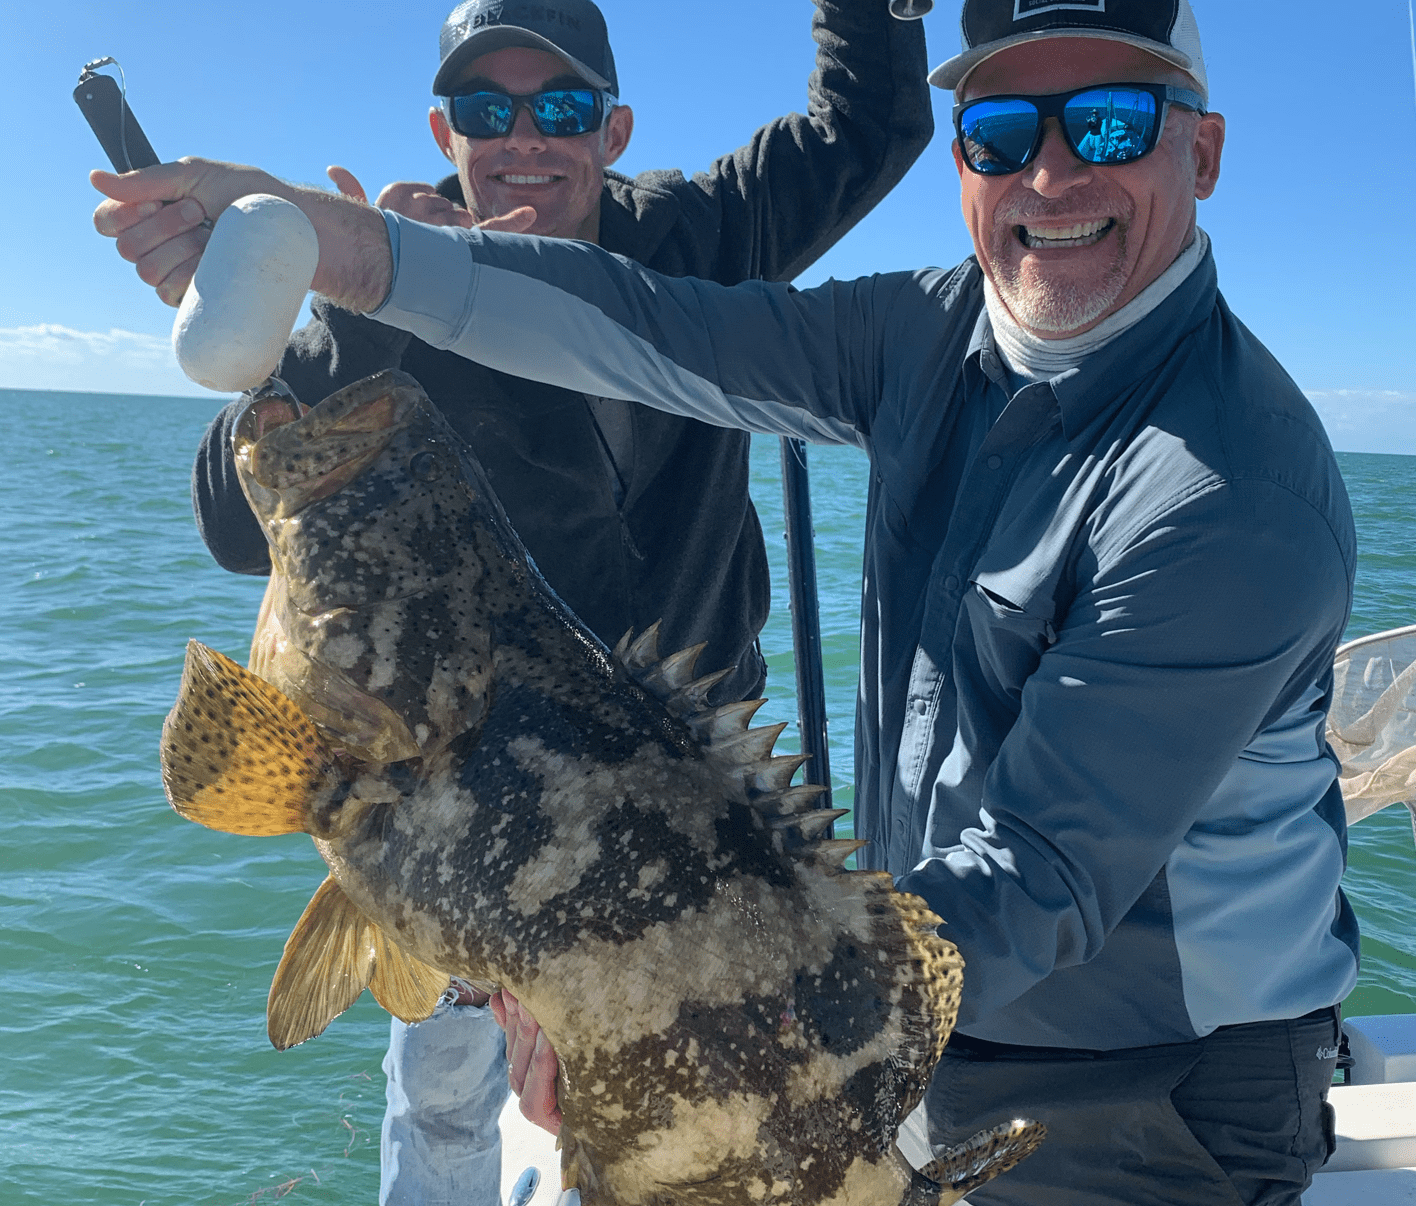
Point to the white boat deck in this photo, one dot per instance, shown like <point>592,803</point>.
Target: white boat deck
<point>1375,1163</point>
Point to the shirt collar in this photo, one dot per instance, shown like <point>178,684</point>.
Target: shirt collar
<point>1084,392</point>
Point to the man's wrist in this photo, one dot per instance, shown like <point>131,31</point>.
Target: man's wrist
<point>356,262</point>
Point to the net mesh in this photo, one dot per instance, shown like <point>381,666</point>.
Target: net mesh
<point>1372,725</point>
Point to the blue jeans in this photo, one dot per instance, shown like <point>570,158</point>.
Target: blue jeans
<point>441,1145</point>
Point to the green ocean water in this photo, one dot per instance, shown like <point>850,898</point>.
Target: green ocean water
<point>136,949</point>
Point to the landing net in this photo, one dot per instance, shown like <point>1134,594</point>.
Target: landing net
<point>1372,725</point>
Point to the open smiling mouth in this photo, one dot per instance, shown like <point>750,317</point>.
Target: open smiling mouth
<point>510,178</point>
<point>1083,234</point>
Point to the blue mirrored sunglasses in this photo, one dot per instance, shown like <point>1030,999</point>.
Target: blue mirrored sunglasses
<point>556,112</point>
<point>1104,124</point>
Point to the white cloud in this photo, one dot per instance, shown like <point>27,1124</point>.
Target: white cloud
<point>1367,420</point>
<point>49,356</point>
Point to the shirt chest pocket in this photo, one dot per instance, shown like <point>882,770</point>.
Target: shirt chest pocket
<point>1011,616</point>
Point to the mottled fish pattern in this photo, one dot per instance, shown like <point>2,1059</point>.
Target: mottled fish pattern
<point>739,1019</point>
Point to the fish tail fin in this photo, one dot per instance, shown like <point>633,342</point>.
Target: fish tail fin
<point>960,1170</point>
<point>333,954</point>
<point>237,755</point>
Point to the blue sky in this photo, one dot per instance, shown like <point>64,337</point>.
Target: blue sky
<point>1312,222</point>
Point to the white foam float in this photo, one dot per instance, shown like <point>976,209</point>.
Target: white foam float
<point>241,306</point>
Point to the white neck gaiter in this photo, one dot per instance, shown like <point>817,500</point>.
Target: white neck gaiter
<point>1031,359</point>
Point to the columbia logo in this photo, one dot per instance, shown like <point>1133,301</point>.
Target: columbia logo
<point>1327,1052</point>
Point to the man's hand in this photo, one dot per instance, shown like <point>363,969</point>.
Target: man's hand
<point>423,203</point>
<point>166,241</point>
<point>533,1068</point>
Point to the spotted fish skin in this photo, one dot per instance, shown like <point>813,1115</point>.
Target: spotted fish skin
<point>739,1020</point>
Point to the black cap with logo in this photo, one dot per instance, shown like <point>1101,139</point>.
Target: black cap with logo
<point>572,30</point>
<point>1164,28</point>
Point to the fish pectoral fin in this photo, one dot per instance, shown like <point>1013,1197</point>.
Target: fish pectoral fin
<point>237,755</point>
<point>329,958</point>
<point>962,1169</point>
<point>407,987</point>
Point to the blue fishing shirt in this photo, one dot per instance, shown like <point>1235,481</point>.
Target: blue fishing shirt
<point>1097,621</point>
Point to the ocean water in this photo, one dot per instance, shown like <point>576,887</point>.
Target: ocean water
<point>136,949</point>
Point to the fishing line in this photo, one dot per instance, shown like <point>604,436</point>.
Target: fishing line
<point>1411,16</point>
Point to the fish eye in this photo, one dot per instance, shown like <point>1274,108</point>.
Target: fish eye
<point>424,466</point>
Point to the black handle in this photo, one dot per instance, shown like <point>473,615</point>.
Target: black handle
<point>107,112</point>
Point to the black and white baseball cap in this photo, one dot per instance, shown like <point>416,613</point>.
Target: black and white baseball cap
<point>1164,28</point>
<point>572,30</point>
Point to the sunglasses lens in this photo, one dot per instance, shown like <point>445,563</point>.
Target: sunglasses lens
<point>998,136</point>
<point>1111,125</point>
<point>565,112</point>
<point>481,114</point>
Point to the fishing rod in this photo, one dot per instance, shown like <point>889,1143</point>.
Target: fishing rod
<point>806,617</point>
<point>801,572</point>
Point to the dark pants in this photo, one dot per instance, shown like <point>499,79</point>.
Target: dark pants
<point>1236,1119</point>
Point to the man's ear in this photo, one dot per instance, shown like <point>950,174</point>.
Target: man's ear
<point>958,158</point>
<point>1209,150</point>
<point>442,132</point>
<point>619,129</point>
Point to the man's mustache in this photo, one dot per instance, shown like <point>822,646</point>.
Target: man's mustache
<point>1077,205</point>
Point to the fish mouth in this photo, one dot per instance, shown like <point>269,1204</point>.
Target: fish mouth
<point>287,463</point>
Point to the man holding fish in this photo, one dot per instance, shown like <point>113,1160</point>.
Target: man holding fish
<point>1108,559</point>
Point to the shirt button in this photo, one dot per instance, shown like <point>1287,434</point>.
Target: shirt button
<point>920,707</point>
<point>995,462</point>
<point>951,583</point>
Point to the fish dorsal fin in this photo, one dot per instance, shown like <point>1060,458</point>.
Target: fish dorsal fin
<point>962,1169</point>
<point>743,754</point>
<point>333,954</point>
<point>237,755</point>
<point>927,970</point>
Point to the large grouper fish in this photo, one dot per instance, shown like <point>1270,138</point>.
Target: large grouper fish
<point>739,1018</point>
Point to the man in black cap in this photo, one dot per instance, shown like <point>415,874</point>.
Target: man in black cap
<point>633,516</point>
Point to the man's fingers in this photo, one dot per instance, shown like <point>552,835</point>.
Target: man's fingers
<point>112,218</point>
<point>518,221</point>
<point>533,1071</point>
<point>347,183</point>
<point>423,203</point>
<point>214,185</point>
<point>539,1099</point>
<point>174,285</point>
<point>520,1047</point>
<point>159,183</point>
<point>159,267</point>
<point>166,223</point>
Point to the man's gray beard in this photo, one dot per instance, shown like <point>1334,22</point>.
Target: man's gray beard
<point>1058,307</point>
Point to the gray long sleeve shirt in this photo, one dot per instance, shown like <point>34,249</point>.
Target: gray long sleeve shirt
<point>1097,624</point>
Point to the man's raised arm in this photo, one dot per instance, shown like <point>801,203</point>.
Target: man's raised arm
<point>802,181</point>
